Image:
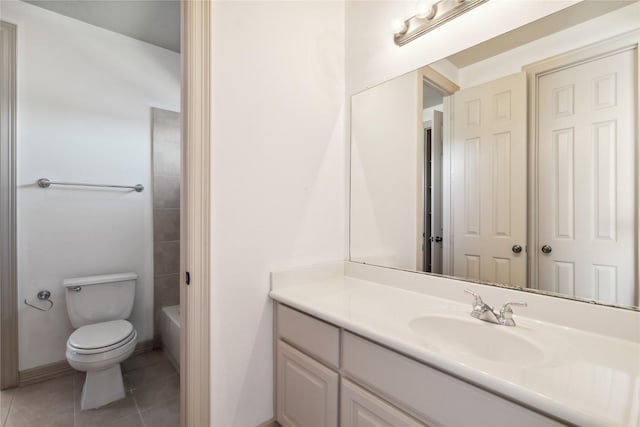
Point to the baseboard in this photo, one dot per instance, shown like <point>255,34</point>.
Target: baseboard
<point>44,373</point>
<point>271,423</point>
<point>143,347</point>
<point>60,369</point>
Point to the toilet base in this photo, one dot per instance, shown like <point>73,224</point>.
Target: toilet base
<point>102,387</point>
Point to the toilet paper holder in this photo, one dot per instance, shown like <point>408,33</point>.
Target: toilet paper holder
<point>42,296</point>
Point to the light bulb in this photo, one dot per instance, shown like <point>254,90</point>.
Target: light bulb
<point>426,9</point>
<point>399,26</point>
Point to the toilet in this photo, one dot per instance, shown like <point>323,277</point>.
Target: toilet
<point>98,307</point>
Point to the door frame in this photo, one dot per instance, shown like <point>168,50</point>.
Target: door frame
<point>8,244</point>
<point>536,70</point>
<point>438,81</point>
<point>195,245</point>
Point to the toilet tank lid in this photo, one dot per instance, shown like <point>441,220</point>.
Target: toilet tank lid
<point>94,280</point>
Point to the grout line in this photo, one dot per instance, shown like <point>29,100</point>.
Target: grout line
<point>139,411</point>
<point>75,407</point>
<point>4,422</point>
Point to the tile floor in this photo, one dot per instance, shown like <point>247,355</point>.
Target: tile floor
<point>152,399</point>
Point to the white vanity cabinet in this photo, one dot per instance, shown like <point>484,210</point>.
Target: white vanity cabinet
<point>307,391</point>
<point>378,386</point>
<point>306,384</point>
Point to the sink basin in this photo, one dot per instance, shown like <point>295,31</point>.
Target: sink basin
<point>475,338</point>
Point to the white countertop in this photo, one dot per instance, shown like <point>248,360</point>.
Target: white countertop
<point>585,378</point>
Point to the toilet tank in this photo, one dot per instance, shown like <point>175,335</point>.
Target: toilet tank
<point>94,299</point>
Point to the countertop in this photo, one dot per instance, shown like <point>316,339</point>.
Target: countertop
<point>585,378</point>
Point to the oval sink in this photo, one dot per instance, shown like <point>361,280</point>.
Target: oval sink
<point>472,337</point>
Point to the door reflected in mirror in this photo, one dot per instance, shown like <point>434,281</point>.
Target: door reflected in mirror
<point>514,162</point>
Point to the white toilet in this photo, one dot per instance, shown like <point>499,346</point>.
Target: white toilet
<point>98,307</point>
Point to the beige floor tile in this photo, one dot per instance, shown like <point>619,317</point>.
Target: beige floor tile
<point>149,374</point>
<point>56,403</point>
<point>59,387</point>
<point>40,419</point>
<point>167,415</point>
<point>143,360</point>
<point>157,393</point>
<point>132,421</point>
<point>6,396</point>
<point>106,415</point>
<point>35,403</point>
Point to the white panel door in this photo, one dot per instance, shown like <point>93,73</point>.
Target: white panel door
<point>488,169</point>
<point>586,180</point>
<point>307,391</point>
<point>435,240</point>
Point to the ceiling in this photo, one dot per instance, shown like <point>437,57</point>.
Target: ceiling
<point>152,21</point>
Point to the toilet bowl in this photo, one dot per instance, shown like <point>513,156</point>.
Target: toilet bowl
<point>98,307</point>
<point>98,349</point>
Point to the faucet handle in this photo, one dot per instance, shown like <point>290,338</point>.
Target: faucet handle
<point>477,299</point>
<point>507,306</point>
<point>506,313</point>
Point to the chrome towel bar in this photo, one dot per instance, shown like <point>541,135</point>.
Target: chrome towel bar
<point>46,183</point>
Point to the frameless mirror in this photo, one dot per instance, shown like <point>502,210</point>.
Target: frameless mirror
<point>514,162</point>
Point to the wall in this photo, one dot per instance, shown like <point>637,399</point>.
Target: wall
<point>385,178</point>
<point>427,113</point>
<point>278,179</point>
<point>84,98</point>
<point>166,212</point>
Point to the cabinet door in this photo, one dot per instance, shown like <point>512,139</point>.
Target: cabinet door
<point>307,391</point>
<point>360,408</point>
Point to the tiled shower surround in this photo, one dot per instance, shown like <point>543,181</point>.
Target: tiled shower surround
<point>166,212</point>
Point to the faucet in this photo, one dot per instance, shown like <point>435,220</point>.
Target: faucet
<point>487,313</point>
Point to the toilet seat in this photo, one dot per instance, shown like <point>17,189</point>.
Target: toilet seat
<point>101,337</point>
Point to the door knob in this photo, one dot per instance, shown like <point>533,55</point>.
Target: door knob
<point>516,249</point>
<point>546,249</point>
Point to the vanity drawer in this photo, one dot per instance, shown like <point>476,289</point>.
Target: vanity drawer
<point>429,394</point>
<point>359,408</point>
<point>317,338</point>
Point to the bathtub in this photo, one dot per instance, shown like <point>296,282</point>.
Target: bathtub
<point>170,334</point>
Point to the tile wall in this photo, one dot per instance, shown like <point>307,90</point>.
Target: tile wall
<point>166,212</point>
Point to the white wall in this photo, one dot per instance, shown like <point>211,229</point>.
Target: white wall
<point>278,180</point>
<point>385,176</point>
<point>84,98</point>
<point>427,113</point>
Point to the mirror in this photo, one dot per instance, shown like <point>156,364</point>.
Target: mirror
<point>514,162</point>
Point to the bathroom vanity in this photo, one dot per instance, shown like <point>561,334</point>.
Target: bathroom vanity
<point>523,173</point>
<point>362,345</point>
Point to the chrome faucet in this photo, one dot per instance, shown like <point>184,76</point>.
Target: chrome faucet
<point>487,313</point>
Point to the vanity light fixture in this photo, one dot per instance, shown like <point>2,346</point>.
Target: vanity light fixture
<point>429,15</point>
